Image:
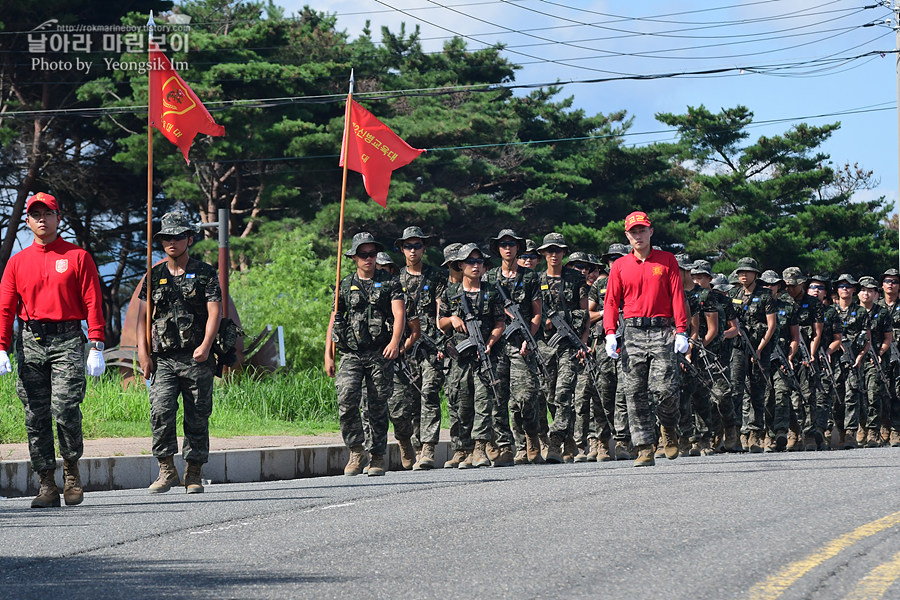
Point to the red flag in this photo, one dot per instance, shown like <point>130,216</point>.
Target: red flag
<point>375,151</point>
<point>174,107</point>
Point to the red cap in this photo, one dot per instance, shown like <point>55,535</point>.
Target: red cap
<point>45,199</point>
<point>636,218</point>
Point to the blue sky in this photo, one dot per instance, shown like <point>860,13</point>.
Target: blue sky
<point>790,51</point>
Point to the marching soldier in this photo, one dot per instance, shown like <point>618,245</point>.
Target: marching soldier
<point>784,346</point>
<point>854,343</point>
<point>755,307</point>
<point>52,286</point>
<point>832,334</point>
<point>694,408</point>
<point>366,329</point>
<point>186,309</point>
<point>452,379</point>
<point>881,337</point>
<point>890,284</point>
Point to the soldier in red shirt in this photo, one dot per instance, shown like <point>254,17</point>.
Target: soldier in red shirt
<point>647,284</point>
<point>52,286</point>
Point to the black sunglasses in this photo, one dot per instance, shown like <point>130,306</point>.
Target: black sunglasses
<point>508,244</point>
<point>529,257</point>
<point>416,246</point>
<point>173,238</point>
<point>474,261</point>
<point>365,255</point>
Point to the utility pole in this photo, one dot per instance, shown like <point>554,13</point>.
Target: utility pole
<point>895,23</point>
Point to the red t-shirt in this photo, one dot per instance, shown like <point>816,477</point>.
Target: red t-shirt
<point>650,288</point>
<point>56,282</point>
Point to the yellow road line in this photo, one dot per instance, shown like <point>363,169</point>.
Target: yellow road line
<point>775,585</point>
<point>876,583</point>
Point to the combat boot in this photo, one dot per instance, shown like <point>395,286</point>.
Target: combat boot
<point>603,451</point>
<point>492,451</point>
<point>705,449</point>
<point>885,435</point>
<point>48,495</point>
<point>407,453</point>
<point>621,451</point>
<point>376,465</point>
<point>168,476</point>
<point>455,460</point>
<point>479,455</point>
<point>533,449</point>
<point>754,442</point>
<point>645,456</point>
<point>781,442</point>
<point>72,491</point>
<point>873,439</point>
<point>521,457</point>
<point>569,450</point>
<point>850,439</point>
<point>426,458</point>
<point>659,451</point>
<point>581,456</point>
<point>466,462</point>
<point>793,441</point>
<point>745,442</point>
<point>554,455</point>
<point>593,445</point>
<point>505,457</point>
<point>545,444</point>
<point>193,483</point>
<point>684,446</point>
<point>670,442</point>
<point>697,448</point>
<point>810,444</point>
<point>826,443</point>
<point>732,440</point>
<point>895,439</point>
<point>356,462</point>
<point>860,436</point>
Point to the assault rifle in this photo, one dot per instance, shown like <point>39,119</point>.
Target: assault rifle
<point>520,325</point>
<point>779,355</point>
<point>873,356</point>
<point>826,365</point>
<point>564,331</point>
<point>808,359</point>
<point>693,371</point>
<point>429,346</point>
<point>753,354</point>
<point>404,369</point>
<point>476,340</point>
<point>711,364</point>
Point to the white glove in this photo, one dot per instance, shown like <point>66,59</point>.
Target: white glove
<point>611,346</point>
<point>5,367</point>
<point>681,344</point>
<point>95,363</point>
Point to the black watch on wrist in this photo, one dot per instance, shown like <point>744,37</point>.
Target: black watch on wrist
<point>95,345</point>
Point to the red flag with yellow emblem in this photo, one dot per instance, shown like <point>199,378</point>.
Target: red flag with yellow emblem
<point>374,150</point>
<point>174,107</point>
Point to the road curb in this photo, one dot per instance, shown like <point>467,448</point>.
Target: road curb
<point>224,466</point>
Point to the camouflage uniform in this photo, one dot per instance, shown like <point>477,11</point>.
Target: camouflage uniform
<point>362,329</point>
<point>751,310</point>
<point>806,403</point>
<point>722,414</point>
<point>694,404</point>
<point>891,416</point>
<point>475,398</point>
<point>825,402</point>
<point>875,395</point>
<point>854,323</point>
<point>778,403</point>
<point>177,328</point>
<point>414,415</point>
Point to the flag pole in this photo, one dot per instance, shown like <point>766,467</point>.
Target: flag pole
<point>345,142</point>
<point>147,279</point>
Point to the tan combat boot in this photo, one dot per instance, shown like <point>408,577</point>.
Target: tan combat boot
<point>860,436</point>
<point>895,439</point>
<point>645,456</point>
<point>873,439</point>
<point>569,450</point>
<point>554,455</point>
<point>684,446</point>
<point>193,484</point>
<point>670,442</point>
<point>407,453</point>
<point>705,449</point>
<point>545,444</point>
<point>72,491</point>
<point>48,495</point>
<point>505,458</point>
<point>732,440</point>
<point>885,435</point>
<point>593,444</point>
<point>754,442</point>
<point>850,439</point>
<point>376,465</point>
<point>426,458</point>
<point>621,451</point>
<point>580,456</point>
<point>793,441</point>
<point>521,457</point>
<point>533,449</point>
<point>466,462</point>
<point>479,455</point>
<point>455,460</point>
<point>603,451</point>
<point>356,462</point>
<point>168,476</point>
<point>492,451</point>
<point>745,442</point>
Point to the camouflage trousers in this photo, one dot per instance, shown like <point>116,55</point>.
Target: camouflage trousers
<point>778,402</point>
<point>891,416</point>
<point>51,386</point>
<point>752,403</point>
<point>452,387</point>
<point>418,416</point>
<point>873,396</point>
<point>518,394</point>
<point>178,374</point>
<point>355,370</point>
<point>695,416</point>
<point>805,403</point>
<point>612,396</point>
<point>475,405</point>
<point>845,414</point>
<point>590,417</point>
<point>825,398</point>
<point>649,370</point>
<point>722,413</point>
<point>559,389</point>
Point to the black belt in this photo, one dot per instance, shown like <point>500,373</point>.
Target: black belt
<point>53,327</point>
<point>645,322</point>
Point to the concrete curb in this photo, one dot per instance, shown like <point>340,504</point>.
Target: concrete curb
<point>225,466</point>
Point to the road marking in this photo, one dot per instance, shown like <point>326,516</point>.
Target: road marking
<point>775,585</point>
<point>330,506</point>
<point>876,583</point>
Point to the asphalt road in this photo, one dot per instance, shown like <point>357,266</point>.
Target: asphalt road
<point>806,525</point>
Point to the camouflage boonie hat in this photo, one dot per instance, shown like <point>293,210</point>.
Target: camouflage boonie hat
<point>583,257</point>
<point>868,282</point>
<point>821,277</point>
<point>733,278</point>
<point>684,262</point>
<point>720,282</point>
<point>748,264</point>
<point>615,251</point>
<point>530,247</point>
<point>771,277</point>
<point>175,223</point>
<point>846,278</point>
<point>890,273</point>
<point>553,239</point>
<point>412,232</point>
<point>493,244</point>
<point>363,237</point>
<point>450,251</point>
<point>466,250</point>
<point>702,267</point>
<point>793,276</point>
<point>384,258</point>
